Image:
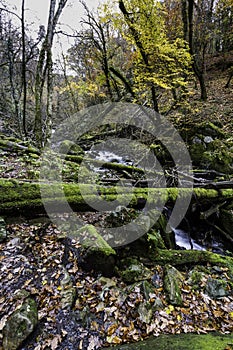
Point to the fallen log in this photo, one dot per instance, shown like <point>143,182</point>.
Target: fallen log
<point>21,197</point>
<point>190,257</point>
<point>11,146</point>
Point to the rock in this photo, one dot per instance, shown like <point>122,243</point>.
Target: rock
<point>3,233</point>
<point>212,154</point>
<point>208,139</point>
<point>145,312</point>
<point>218,157</point>
<point>131,270</point>
<point>20,325</point>
<point>196,150</point>
<point>196,278</point>
<point>98,254</point>
<point>150,302</point>
<point>172,285</point>
<point>13,243</point>
<point>68,292</point>
<point>106,283</point>
<point>216,288</point>
<point>158,304</point>
<point>161,233</point>
<point>69,147</point>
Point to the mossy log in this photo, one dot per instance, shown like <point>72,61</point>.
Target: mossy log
<point>21,196</point>
<point>8,145</point>
<point>190,257</point>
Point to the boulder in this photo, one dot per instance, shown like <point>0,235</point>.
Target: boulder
<point>20,325</point>
<point>97,253</point>
<point>70,147</point>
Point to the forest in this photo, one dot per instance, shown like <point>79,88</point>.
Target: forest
<point>116,175</point>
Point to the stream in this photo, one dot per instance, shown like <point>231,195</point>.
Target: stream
<point>203,237</point>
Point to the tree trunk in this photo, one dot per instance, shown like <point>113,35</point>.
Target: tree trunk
<point>43,72</point>
<point>136,37</point>
<point>25,197</point>
<point>24,69</point>
<point>199,71</point>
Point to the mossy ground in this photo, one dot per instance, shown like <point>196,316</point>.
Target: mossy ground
<point>210,341</point>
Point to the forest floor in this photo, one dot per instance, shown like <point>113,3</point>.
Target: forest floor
<point>105,311</point>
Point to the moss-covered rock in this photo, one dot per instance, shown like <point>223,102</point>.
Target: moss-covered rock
<point>214,155</point>
<point>97,253</point>
<point>20,325</point>
<point>69,147</point>
<point>196,278</point>
<point>172,285</point>
<point>131,270</point>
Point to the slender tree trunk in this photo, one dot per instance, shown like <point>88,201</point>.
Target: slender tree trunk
<point>144,55</point>
<point>24,68</point>
<point>43,72</point>
<point>185,20</point>
<point>199,72</point>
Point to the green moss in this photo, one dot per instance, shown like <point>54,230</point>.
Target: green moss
<point>182,342</point>
<point>92,240</point>
<point>185,257</point>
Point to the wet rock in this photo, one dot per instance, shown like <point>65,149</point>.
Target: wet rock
<point>216,288</point>
<point>20,325</point>
<point>3,233</point>
<point>131,270</point>
<point>68,292</point>
<point>172,285</point>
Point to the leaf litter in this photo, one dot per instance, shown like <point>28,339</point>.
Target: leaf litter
<point>106,310</point>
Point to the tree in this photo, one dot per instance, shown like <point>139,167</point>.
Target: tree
<point>44,74</point>
<point>96,58</point>
<point>17,58</point>
<point>160,62</point>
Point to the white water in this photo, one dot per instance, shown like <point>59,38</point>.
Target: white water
<point>183,240</point>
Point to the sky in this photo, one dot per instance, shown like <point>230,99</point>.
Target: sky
<point>36,14</point>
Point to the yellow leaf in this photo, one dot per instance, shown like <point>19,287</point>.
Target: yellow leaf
<point>179,317</point>
<point>169,309</point>
<point>111,329</point>
<point>114,340</point>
